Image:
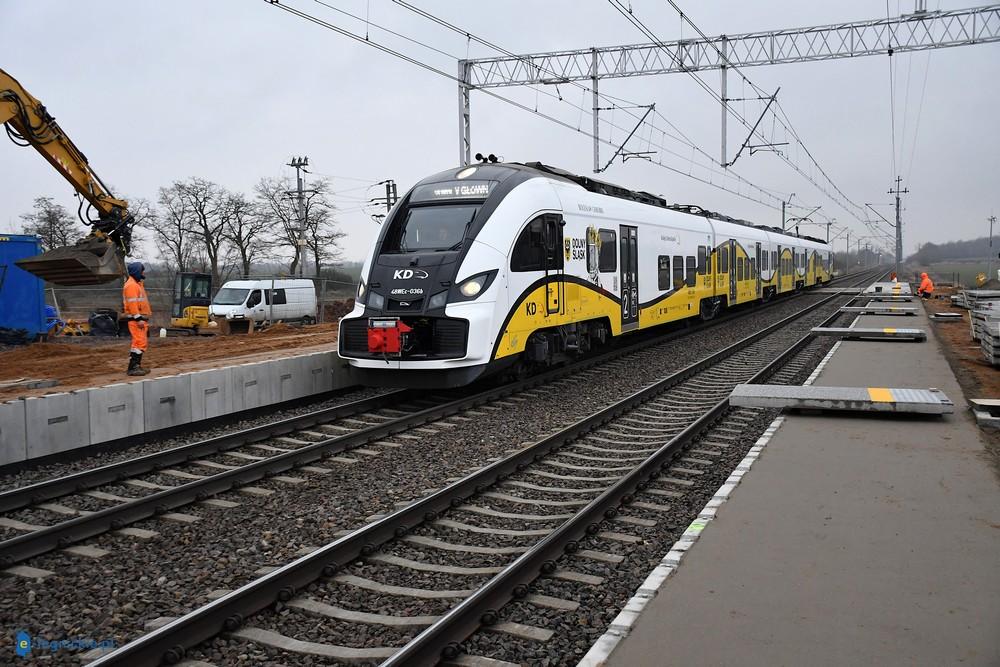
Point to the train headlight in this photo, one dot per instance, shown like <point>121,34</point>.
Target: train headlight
<point>470,288</point>
<point>376,300</point>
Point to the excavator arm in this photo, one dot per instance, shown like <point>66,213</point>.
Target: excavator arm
<point>99,257</point>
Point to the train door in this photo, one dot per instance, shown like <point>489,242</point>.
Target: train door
<point>732,271</point>
<point>555,285</point>
<point>629,245</point>
<point>757,272</point>
<point>777,271</point>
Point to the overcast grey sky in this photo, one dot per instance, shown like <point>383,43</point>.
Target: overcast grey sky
<point>229,90</point>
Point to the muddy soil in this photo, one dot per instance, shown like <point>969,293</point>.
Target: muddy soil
<point>977,378</point>
<point>93,361</point>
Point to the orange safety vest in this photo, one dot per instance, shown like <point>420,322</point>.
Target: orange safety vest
<point>134,300</point>
<point>926,285</point>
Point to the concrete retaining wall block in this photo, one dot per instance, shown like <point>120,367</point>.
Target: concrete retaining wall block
<point>166,401</point>
<point>13,442</point>
<point>211,393</point>
<point>56,422</point>
<point>116,411</point>
<point>254,385</point>
<point>340,370</point>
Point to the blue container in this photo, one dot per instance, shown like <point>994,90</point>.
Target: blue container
<point>22,295</point>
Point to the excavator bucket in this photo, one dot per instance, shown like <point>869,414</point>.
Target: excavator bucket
<point>91,261</point>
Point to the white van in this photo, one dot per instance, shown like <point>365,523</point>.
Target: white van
<point>266,300</point>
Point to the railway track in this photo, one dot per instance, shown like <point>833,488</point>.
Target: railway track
<point>110,498</point>
<point>444,566</point>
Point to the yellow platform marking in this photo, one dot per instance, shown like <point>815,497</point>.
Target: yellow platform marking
<point>880,395</point>
<point>889,331</point>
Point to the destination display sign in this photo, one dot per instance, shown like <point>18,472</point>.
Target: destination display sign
<point>453,190</point>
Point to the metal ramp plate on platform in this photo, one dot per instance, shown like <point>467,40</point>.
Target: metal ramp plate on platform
<point>860,333</point>
<point>892,298</point>
<point>871,310</point>
<point>864,399</point>
<point>888,288</point>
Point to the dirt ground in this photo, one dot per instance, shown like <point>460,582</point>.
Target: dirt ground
<point>977,378</point>
<point>94,361</point>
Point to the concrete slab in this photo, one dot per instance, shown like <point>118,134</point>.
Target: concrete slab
<point>13,440</point>
<point>879,310</point>
<point>293,378</point>
<point>116,411</point>
<point>211,393</point>
<point>340,370</point>
<point>871,333</point>
<point>253,385</point>
<point>57,423</point>
<point>865,399</point>
<point>888,288</point>
<point>166,401</point>
<point>851,541</point>
<point>319,368</point>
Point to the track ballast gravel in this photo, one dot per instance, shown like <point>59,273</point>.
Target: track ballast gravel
<point>114,596</point>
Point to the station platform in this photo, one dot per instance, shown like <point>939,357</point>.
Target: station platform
<point>852,539</point>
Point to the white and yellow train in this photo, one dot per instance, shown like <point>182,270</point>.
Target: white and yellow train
<point>506,267</point>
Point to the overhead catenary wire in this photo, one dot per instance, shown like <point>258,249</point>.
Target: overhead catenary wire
<point>618,102</point>
<point>629,15</point>
<point>786,122</point>
<point>624,106</point>
<point>409,59</point>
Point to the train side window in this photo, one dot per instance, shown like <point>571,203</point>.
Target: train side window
<point>702,260</point>
<point>753,267</point>
<point>678,271</point>
<point>774,259</point>
<point>529,249</point>
<point>608,258</point>
<point>724,259</point>
<point>689,271</point>
<point>663,272</point>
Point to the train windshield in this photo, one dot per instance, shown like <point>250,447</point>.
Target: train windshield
<point>431,229</point>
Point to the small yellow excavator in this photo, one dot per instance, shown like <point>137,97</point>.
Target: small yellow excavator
<point>192,297</point>
<point>100,256</point>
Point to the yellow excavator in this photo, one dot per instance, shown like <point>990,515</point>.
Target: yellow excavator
<point>100,256</point>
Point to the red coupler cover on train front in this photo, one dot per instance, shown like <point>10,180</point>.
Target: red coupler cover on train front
<point>386,336</point>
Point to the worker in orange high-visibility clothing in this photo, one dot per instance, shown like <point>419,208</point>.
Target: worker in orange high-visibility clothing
<point>137,313</point>
<point>926,289</point>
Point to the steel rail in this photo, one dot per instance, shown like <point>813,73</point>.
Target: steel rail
<point>33,494</point>
<point>169,643</point>
<point>442,639</point>
<point>65,533</point>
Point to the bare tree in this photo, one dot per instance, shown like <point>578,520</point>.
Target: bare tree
<point>170,229</point>
<point>279,211</point>
<point>205,223</point>
<point>53,223</point>
<point>246,228</point>
<point>145,218</point>
<point>322,234</point>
